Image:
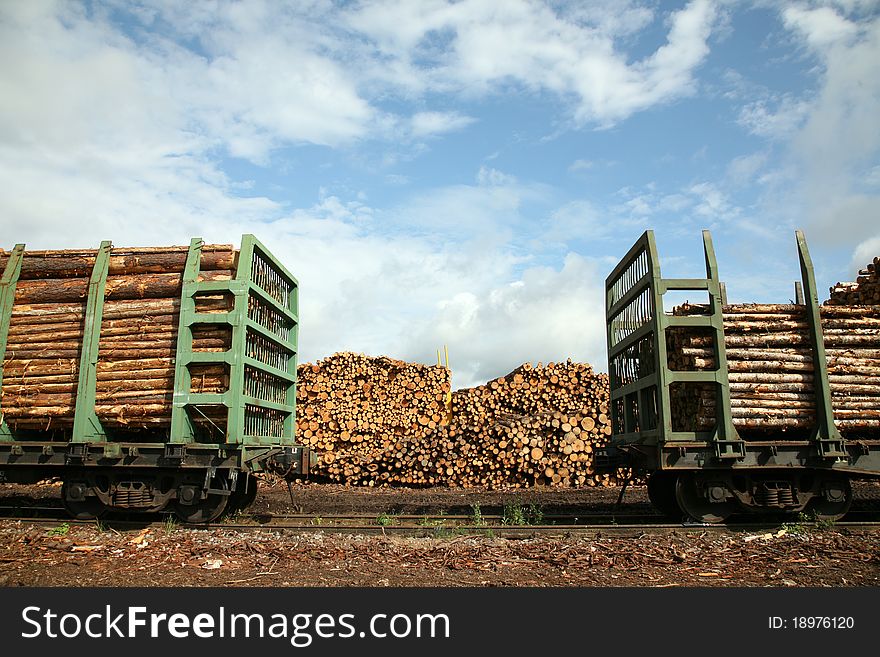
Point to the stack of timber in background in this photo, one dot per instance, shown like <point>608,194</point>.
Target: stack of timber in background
<point>537,425</point>
<point>864,291</point>
<point>770,367</point>
<point>138,340</point>
<point>377,421</point>
<point>370,418</point>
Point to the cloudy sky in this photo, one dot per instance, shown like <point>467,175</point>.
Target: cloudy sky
<point>458,173</point>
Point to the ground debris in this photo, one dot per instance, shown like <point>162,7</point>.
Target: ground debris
<point>93,555</point>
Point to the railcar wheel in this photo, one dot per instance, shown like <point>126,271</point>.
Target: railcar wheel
<point>661,493</point>
<point>696,505</point>
<point>241,498</point>
<point>82,507</point>
<point>835,500</point>
<point>205,510</point>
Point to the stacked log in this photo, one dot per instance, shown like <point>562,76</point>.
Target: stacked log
<point>865,290</point>
<point>538,425</point>
<point>371,419</point>
<point>378,421</point>
<point>138,340</point>
<point>770,368</point>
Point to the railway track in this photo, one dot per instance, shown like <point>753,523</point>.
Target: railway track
<point>444,525</point>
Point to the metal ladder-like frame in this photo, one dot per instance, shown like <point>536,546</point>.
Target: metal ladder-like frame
<point>650,391</point>
<point>236,358</point>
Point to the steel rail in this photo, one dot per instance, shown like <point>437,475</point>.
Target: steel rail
<point>497,531</point>
<point>423,519</point>
<point>440,529</point>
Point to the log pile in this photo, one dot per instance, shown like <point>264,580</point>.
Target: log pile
<point>135,368</point>
<point>537,425</point>
<point>770,369</point>
<point>370,419</point>
<point>378,421</point>
<point>865,291</point>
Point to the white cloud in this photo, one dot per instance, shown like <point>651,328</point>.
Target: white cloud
<point>80,84</point>
<point>489,177</point>
<point>712,203</point>
<point>250,77</point>
<point>472,47</point>
<point>775,118</point>
<point>581,165</point>
<point>864,254</point>
<point>577,220</point>
<point>543,315</point>
<point>424,124</point>
<point>407,295</point>
<point>743,170</point>
<point>838,146</point>
<point>639,206</point>
<point>822,26</point>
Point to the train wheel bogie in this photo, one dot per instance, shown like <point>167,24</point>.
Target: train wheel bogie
<point>80,501</point>
<point>195,506</point>
<point>712,496</point>
<point>833,499</point>
<point>702,499</point>
<point>194,495</point>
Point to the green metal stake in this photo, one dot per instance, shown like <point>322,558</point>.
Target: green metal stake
<point>86,425</point>
<point>7,298</point>
<point>829,441</point>
<point>664,405</point>
<point>181,425</point>
<point>236,428</point>
<point>290,421</point>
<point>728,444</point>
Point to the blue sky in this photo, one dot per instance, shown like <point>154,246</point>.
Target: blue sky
<point>451,173</point>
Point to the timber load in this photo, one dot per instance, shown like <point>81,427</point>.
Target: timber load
<point>377,421</point>
<point>137,342</point>
<point>771,370</point>
<point>865,290</point>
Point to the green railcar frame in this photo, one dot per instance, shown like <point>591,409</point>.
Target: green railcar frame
<point>89,444</point>
<point>640,378</point>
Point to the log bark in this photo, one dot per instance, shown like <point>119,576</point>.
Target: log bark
<point>139,286</point>
<point>37,265</point>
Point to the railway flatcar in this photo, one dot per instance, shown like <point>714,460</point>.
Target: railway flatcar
<point>731,408</point>
<point>149,378</point>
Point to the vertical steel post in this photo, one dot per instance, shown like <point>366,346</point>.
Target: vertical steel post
<point>182,430</point>
<point>664,404</point>
<point>86,425</point>
<point>8,281</point>
<point>293,363</point>
<point>727,441</point>
<point>830,443</point>
<point>236,422</point>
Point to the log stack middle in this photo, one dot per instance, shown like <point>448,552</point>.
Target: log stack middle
<point>379,421</point>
